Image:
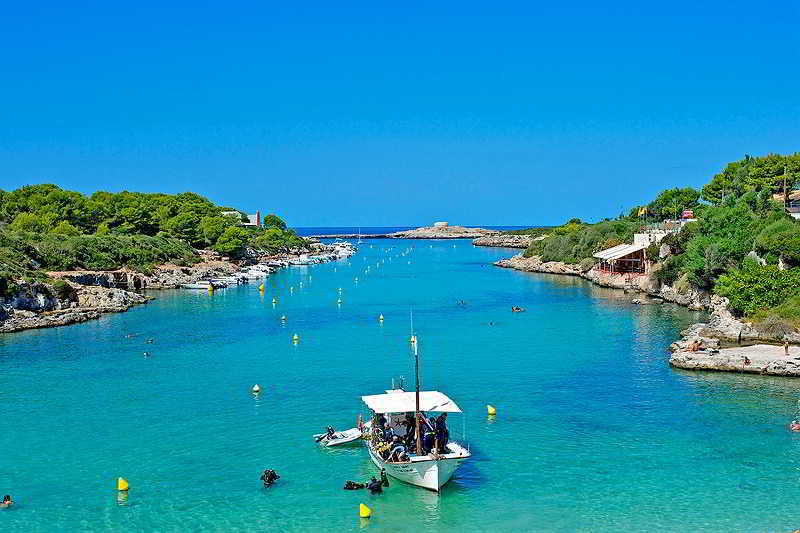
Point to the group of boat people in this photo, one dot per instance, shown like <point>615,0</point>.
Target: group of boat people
<point>392,441</point>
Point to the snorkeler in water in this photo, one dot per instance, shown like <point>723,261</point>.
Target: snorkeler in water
<point>269,477</point>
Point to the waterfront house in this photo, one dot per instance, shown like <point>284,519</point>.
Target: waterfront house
<point>253,220</point>
<point>792,202</point>
<point>623,259</point>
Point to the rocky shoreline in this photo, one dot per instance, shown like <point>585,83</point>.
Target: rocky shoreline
<point>427,232</point>
<point>505,241</point>
<point>77,296</point>
<point>724,343</point>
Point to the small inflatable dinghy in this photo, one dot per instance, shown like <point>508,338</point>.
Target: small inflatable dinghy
<point>336,438</point>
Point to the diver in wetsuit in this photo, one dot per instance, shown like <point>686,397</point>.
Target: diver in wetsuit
<point>384,478</point>
<point>269,477</point>
<point>353,485</point>
<point>375,486</point>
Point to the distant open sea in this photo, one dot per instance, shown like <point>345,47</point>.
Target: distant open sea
<point>367,230</point>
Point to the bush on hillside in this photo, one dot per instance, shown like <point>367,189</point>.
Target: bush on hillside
<point>754,288</point>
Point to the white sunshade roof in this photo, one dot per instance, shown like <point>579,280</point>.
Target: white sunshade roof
<point>619,251</point>
<point>405,402</point>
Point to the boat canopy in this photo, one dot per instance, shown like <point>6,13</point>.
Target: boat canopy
<point>405,402</point>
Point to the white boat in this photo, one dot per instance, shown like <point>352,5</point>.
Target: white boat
<point>337,438</point>
<point>431,470</point>
<point>429,467</point>
<point>202,284</point>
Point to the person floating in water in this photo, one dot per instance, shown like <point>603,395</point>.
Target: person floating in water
<point>375,486</point>
<point>7,501</point>
<point>384,478</point>
<point>353,485</point>
<point>269,477</point>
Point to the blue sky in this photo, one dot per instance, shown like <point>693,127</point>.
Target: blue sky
<point>378,113</point>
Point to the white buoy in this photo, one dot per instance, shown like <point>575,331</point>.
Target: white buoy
<point>256,389</point>
<point>283,318</point>
<point>381,317</point>
<point>339,301</point>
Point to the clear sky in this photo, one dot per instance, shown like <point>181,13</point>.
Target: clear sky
<point>396,113</point>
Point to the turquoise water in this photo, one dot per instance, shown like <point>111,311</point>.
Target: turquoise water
<point>594,430</point>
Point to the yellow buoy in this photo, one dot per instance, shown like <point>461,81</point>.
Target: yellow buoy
<point>256,389</point>
<point>122,483</point>
<point>210,288</point>
<point>295,338</point>
<point>364,511</point>
<point>491,410</point>
<point>261,287</point>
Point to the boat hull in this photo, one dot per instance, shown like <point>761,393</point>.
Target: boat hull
<point>431,474</point>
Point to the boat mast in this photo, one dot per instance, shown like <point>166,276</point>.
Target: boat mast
<point>416,373</point>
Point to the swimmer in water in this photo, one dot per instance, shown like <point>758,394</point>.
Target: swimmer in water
<point>375,486</point>
<point>269,477</point>
<point>7,501</point>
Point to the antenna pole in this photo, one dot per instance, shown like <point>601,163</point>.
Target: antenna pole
<point>416,373</point>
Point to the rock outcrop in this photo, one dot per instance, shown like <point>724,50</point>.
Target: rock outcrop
<point>757,359</point>
<point>443,232</point>
<point>535,264</point>
<point>504,241</point>
<point>40,305</point>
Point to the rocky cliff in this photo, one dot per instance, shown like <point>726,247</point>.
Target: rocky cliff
<point>504,241</point>
<point>443,232</point>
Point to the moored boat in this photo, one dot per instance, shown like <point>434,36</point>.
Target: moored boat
<point>425,466</point>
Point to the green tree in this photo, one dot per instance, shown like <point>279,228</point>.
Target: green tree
<point>65,228</point>
<point>781,239</point>
<point>232,241</point>
<point>214,226</point>
<point>670,203</point>
<point>185,226</point>
<point>274,221</point>
<point>29,222</point>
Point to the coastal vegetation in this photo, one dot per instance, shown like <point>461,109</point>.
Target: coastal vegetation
<point>46,228</point>
<point>743,244</point>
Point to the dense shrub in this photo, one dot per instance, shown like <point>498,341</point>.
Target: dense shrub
<point>575,241</point>
<point>754,288</point>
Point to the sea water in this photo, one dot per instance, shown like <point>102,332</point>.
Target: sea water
<point>594,431</point>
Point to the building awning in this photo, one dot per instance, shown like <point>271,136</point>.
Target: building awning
<point>619,251</point>
<point>405,402</point>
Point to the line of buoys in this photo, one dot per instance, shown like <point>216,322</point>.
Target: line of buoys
<point>491,410</point>
<point>364,511</point>
<point>256,388</point>
<point>122,483</point>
